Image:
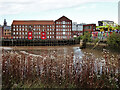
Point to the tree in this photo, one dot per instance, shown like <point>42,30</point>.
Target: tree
<point>86,37</point>
<point>114,40</point>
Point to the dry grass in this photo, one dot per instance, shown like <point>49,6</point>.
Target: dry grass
<point>24,70</point>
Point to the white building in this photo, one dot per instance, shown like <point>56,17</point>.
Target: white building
<point>74,26</point>
<point>119,13</point>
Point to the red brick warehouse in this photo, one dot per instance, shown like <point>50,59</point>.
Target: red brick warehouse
<point>89,28</point>
<point>42,29</point>
<point>63,28</point>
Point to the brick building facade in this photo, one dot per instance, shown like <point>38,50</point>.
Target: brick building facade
<point>39,29</point>
<point>63,28</point>
<point>0,31</point>
<point>89,28</point>
<point>42,29</point>
<point>6,32</point>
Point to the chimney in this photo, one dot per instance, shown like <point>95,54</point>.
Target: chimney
<point>5,23</point>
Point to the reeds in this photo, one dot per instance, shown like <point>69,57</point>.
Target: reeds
<point>53,70</point>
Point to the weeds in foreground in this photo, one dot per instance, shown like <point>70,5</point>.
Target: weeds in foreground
<point>23,70</point>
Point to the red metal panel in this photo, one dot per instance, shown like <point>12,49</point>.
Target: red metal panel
<point>43,35</point>
<point>30,35</point>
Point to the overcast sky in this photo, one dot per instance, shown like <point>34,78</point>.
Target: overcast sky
<point>80,11</point>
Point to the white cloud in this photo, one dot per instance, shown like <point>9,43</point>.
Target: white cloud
<point>19,6</point>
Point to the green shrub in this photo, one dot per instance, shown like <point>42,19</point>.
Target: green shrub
<point>96,40</point>
<point>114,40</point>
<point>87,37</point>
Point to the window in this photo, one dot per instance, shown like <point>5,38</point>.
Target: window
<point>25,29</point>
<point>39,32</point>
<point>13,33</point>
<point>63,29</point>
<point>47,36</point>
<point>50,32</point>
<point>57,26</point>
<point>16,29</point>
<point>64,33</point>
<point>43,30</point>
<point>56,29</point>
<point>50,36</point>
<point>23,33</point>
<point>19,33</point>
<point>56,22</point>
<point>13,29</point>
<point>68,22</point>
<point>64,37</point>
<point>14,37</point>
<point>63,26</point>
<point>26,26</point>
<point>20,37</point>
<point>47,32</point>
<point>26,33</point>
<point>13,25</point>
<point>22,25</point>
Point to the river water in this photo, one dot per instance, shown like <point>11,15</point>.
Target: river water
<point>65,55</point>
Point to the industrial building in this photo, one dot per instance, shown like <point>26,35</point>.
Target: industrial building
<point>89,28</point>
<point>6,31</point>
<point>77,29</point>
<point>42,29</point>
